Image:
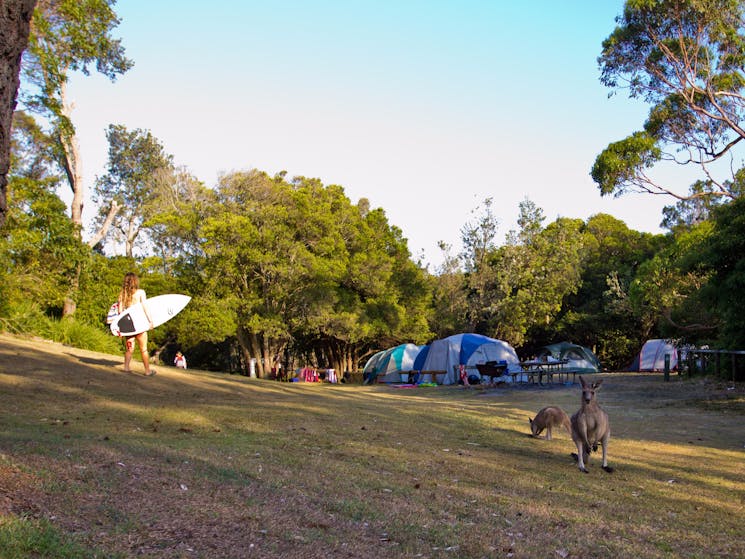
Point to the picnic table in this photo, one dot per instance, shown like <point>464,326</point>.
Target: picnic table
<point>540,368</point>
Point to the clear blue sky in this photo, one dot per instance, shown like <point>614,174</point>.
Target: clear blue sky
<point>426,108</point>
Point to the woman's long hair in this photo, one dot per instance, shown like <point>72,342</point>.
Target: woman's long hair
<point>130,285</point>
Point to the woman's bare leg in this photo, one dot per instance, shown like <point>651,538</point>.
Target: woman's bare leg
<point>142,341</point>
<point>129,346</point>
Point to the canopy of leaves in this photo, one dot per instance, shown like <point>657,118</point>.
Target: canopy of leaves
<point>685,58</point>
<point>39,248</point>
<point>521,285</point>
<point>302,262</point>
<point>68,36</point>
<point>624,163</point>
<point>723,256</point>
<point>599,314</point>
<point>137,164</point>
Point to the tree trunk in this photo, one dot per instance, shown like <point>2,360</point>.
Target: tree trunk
<point>70,304</point>
<point>73,165</point>
<point>74,172</point>
<point>245,346</point>
<point>101,233</point>
<point>261,348</point>
<point>15,20</point>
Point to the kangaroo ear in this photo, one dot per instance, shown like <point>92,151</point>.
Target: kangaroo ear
<point>530,420</point>
<point>597,384</point>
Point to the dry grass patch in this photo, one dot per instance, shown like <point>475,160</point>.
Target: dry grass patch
<point>194,464</point>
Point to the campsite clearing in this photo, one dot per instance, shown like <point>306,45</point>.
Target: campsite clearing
<point>196,464</point>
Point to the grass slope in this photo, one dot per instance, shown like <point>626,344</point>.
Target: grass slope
<point>95,462</point>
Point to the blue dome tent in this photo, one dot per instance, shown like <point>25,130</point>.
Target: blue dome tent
<point>445,355</point>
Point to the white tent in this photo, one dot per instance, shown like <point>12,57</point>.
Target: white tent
<point>466,349</point>
<point>652,355</point>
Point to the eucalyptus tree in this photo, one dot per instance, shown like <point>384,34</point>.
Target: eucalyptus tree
<point>15,19</point>
<point>600,314</point>
<point>721,254</point>
<point>306,270</point>
<point>39,247</point>
<point>382,297</point>
<point>138,170</point>
<point>68,36</point>
<point>684,57</point>
<point>534,271</point>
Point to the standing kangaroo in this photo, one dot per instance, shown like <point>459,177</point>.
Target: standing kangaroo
<point>548,418</point>
<point>590,426</point>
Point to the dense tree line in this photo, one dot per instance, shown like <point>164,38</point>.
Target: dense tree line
<point>289,269</point>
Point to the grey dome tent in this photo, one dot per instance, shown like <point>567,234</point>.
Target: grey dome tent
<point>580,358</point>
<point>652,356</point>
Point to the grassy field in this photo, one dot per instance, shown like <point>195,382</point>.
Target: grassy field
<point>96,462</point>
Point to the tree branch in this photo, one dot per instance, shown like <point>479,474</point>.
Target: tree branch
<point>106,225</point>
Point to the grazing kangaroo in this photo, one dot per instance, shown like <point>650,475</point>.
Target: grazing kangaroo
<point>590,426</point>
<point>548,418</point>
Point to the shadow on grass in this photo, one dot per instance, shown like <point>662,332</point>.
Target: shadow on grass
<point>93,361</point>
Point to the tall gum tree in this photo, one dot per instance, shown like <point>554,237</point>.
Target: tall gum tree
<point>531,275</point>
<point>137,164</point>
<point>15,19</point>
<point>309,271</point>
<point>685,58</point>
<point>39,247</point>
<point>69,36</point>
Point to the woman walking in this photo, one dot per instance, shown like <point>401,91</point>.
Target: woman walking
<point>129,295</point>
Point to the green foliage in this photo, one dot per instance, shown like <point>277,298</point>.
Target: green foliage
<point>25,317</point>
<point>182,204</point>
<point>723,256</point>
<point>684,57</point>
<point>667,287</point>
<point>33,153</point>
<point>302,263</point>
<point>23,537</point>
<point>74,333</point>
<point>40,248</point>
<point>520,286</point>
<point>622,165</point>
<point>536,275</point>
<point>599,314</point>
<point>205,319</point>
<point>479,237</point>
<point>653,39</point>
<point>68,36</point>
<point>449,311</point>
<point>100,282</point>
<point>693,210</point>
<point>137,164</point>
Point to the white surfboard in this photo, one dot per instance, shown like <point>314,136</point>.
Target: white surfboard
<point>161,308</point>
